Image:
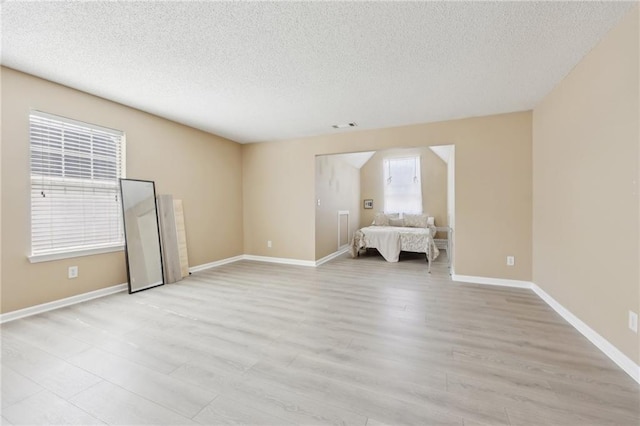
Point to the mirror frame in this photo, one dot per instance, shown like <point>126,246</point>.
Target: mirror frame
<point>124,227</point>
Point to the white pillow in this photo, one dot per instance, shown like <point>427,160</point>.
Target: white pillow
<point>415,220</point>
<point>431,221</point>
<point>380,219</point>
<point>393,221</point>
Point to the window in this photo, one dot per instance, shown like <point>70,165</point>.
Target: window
<point>402,186</point>
<point>75,199</point>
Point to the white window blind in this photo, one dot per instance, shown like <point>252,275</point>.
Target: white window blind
<point>402,185</point>
<point>75,199</point>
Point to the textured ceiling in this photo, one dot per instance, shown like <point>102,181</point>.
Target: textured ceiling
<point>259,71</point>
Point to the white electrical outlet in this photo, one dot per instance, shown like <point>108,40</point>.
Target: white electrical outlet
<point>73,272</point>
<point>511,260</point>
<point>269,244</point>
<point>318,202</point>
<point>633,321</point>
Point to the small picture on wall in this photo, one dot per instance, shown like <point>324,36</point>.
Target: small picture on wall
<point>368,204</point>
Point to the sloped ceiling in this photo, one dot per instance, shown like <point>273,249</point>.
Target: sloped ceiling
<point>356,159</point>
<point>260,71</point>
<point>442,151</point>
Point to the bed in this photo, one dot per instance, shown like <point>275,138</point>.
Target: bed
<point>390,235</point>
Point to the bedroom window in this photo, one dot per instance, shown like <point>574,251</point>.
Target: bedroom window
<point>402,185</point>
<point>75,201</point>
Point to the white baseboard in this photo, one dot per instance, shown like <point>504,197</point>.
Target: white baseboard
<point>623,361</point>
<point>49,306</point>
<point>281,260</point>
<point>38,309</point>
<point>491,281</point>
<point>331,256</point>
<point>269,259</point>
<point>216,263</point>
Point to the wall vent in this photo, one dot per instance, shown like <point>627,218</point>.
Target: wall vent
<point>344,126</point>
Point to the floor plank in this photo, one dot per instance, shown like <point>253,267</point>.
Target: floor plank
<point>226,411</point>
<point>116,406</point>
<point>15,387</point>
<point>47,408</point>
<point>162,389</point>
<point>50,372</point>
<point>352,342</point>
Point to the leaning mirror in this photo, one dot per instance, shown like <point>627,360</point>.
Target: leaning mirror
<point>141,233</point>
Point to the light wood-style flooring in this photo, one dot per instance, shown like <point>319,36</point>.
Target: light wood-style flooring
<point>353,342</point>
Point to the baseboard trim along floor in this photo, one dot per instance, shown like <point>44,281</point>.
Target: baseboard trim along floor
<point>623,361</point>
<point>244,342</point>
<point>280,260</point>
<point>49,306</point>
<point>216,263</point>
<point>331,256</point>
<point>491,281</point>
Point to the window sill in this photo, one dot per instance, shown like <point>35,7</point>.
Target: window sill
<point>74,253</point>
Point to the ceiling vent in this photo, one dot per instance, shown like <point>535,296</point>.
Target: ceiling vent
<point>344,126</point>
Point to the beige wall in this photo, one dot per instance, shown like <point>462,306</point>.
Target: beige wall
<point>493,189</point>
<point>433,172</point>
<point>203,170</point>
<point>1,149</point>
<point>338,188</point>
<point>585,199</point>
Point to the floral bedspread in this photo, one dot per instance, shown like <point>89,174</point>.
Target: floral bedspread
<point>386,239</point>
